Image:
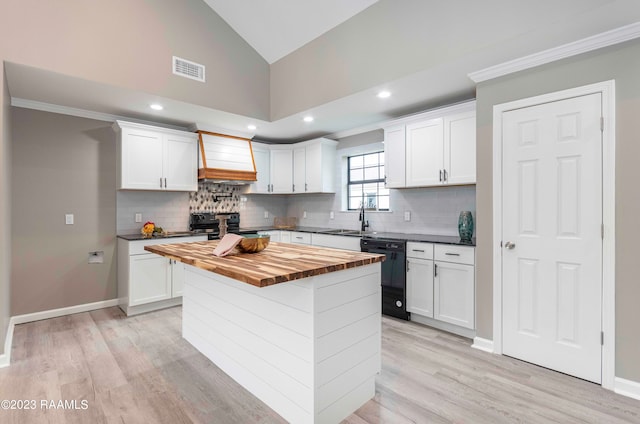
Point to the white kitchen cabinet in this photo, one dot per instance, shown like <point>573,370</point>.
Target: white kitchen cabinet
<point>432,149</point>
<point>153,158</point>
<point>262,159</point>
<point>424,153</point>
<point>336,242</point>
<point>147,281</point>
<point>299,170</point>
<point>274,235</point>
<point>285,236</point>
<point>460,148</point>
<point>281,169</point>
<point>420,286</point>
<point>298,237</point>
<point>394,156</point>
<point>420,278</point>
<point>454,285</point>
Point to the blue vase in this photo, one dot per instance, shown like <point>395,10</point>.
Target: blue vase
<point>465,226</point>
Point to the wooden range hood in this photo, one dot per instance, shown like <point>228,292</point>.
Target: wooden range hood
<point>225,158</point>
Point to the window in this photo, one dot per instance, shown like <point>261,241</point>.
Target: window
<point>365,182</point>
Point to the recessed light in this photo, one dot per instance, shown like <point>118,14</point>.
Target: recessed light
<point>308,119</point>
<point>251,127</point>
<point>156,106</point>
<point>384,94</point>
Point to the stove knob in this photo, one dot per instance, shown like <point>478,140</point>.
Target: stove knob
<point>398,304</point>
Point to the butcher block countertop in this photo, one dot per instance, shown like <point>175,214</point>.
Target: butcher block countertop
<point>278,263</point>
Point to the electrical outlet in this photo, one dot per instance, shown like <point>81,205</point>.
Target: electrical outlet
<point>407,216</point>
<point>332,215</point>
<point>138,217</point>
<point>266,214</point>
<point>304,214</point>
<point>68,219</point>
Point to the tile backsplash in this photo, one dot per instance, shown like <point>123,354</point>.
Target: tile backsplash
<point>433,210</point>
<point>213,197</point>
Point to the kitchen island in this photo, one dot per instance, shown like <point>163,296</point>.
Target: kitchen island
<point>297,326</point>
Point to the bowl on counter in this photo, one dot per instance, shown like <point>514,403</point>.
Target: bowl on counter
<point>253,243</point>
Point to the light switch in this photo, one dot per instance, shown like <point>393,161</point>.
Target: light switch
<point>304,214</point>
<point>331,215</point>
<point>266,214</point>
<point>407,216</point>
<point>138,217</point>
<point>68,219</point>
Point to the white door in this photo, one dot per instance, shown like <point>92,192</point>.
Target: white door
<point>420,286</point>
<point>299,170</point>
<point>394,157</point>
<point>552,246</point>
<point>460,148</point>
<point>454,293</point>
<point>281,171</point>
<point>142,153</point>
<point>180,166</point>
<point>425,153</point>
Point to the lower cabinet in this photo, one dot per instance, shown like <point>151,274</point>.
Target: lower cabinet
<point>453,292</point>
<point>441,286</point>
<point>336,242</point>
<point>298,237</point>
<point>147,281</point>
<point>420,286</point>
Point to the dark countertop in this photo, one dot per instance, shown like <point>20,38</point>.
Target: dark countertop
<point>175,234</point>
<point>425,238</point>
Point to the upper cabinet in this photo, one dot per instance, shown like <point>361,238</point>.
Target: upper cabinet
<point>307,167</point>
<point>432,149</point>
<point>153,158</point>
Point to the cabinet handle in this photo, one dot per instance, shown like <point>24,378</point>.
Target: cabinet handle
<point>293,188</point>
<point>445,175</point>
<point>452,254</point>
<point>165,183</point>
<point>441,175</point>
<point>299,238</point>
<point>407,266</point>
<point>435,270</point>
<point>305,186</point>
<point>160,182</point>
<point>418,250</point>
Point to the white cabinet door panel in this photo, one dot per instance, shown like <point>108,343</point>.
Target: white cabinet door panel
<point>141,162</point>
<point>281,171</point>
<point>420,286</point>
<point>180,165</point>
<point>150,279</point>
<point>460,149</point>
<point>394,156</point>
<point>454,294</point>
<point>424,153</point>
<point>299,170</point>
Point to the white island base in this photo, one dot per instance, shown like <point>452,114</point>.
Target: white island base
<point>308,348</point>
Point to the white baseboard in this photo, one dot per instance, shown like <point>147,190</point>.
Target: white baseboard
<point>484,345</point>
<point>627,388</point>
<point>5,359</point>
<point>54,313</point>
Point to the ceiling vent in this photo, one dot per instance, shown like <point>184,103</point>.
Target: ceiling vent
<point>188,69</point>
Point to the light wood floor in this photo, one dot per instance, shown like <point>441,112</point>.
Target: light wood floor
<point>139,370</point>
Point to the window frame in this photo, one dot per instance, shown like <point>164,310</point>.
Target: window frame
<point>363,182</point>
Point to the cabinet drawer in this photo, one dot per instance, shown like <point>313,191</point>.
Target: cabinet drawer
<point>419,250</point>
<point>455,254</point>
<point>300,238</point>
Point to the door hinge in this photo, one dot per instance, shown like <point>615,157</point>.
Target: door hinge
<point>602,124</point>
<point>602,338</point>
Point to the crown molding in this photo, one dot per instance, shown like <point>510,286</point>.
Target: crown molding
<point>598,41</point>
<point>83,113</point>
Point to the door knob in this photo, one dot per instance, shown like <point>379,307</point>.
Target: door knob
<point>509,245</point>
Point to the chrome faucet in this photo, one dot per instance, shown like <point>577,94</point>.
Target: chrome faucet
<point>364,224</point>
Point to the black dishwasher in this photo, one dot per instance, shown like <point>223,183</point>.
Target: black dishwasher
<point>394,278</point>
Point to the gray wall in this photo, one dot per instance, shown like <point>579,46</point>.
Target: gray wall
<point>621,63</point>
<point>61,165</point>
<point>5,211</point>
<point>129,44</point>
